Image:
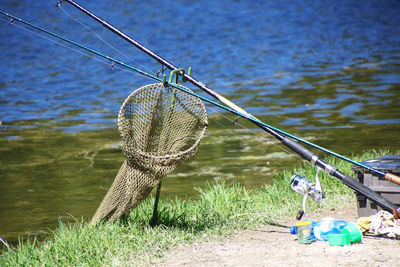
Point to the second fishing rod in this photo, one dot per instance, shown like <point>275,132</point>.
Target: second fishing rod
<point>279,134</point>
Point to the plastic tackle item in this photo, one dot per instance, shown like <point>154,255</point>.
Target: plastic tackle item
<point>293,230</point>
<point>304,232</point>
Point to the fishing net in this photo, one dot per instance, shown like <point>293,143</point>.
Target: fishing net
<point>160,127</point>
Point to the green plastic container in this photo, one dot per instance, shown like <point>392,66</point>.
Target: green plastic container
<point>354,232</point>
<point>342,239</point>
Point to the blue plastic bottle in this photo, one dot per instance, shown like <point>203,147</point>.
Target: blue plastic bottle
<point>327,226</point>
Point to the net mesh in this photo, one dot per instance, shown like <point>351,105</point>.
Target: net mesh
<point>160,127</point>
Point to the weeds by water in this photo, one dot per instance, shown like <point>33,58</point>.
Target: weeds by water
<point>218,210</point>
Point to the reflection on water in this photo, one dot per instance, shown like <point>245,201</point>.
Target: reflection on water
<point>328,72</point>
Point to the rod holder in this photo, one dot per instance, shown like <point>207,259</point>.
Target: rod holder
<point>174,76</point>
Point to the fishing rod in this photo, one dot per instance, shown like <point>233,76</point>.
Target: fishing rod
<point>272,130</point>
<point>298,148</point>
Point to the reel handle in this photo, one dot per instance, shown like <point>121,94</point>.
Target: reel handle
<point>301,212</point>
<point>300,215</point>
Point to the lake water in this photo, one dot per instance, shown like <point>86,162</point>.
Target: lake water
<point>327,71</point>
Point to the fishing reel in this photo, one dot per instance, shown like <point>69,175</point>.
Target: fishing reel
<point>305,187</point>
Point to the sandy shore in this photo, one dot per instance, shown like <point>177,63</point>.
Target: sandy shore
<point>275,246</point>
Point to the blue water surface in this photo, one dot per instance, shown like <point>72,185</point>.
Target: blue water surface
<point>264,47</point>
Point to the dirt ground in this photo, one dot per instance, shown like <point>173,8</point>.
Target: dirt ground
<point>275,246</point>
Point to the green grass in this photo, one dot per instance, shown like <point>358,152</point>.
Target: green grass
<point>218,210</point>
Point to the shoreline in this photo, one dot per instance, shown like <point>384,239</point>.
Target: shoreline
<point>219,211</point>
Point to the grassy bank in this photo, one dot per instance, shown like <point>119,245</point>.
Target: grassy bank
<point>218,210</point>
